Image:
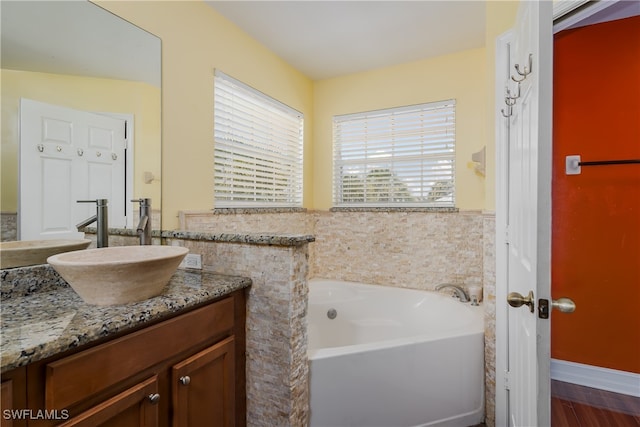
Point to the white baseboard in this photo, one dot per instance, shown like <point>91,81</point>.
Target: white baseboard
<point>596,377</point>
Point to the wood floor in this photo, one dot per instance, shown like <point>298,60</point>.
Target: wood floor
<point>577,406</point>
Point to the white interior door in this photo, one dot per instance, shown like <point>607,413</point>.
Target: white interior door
<point>529,213</point>
<point>68,155</point>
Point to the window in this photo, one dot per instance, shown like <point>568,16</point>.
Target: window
<point>396,157</point>
<point>258,148</point>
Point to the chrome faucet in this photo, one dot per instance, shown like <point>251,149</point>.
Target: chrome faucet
<point>144,225</point>
<point>101,220</point>
<point>457,290</point>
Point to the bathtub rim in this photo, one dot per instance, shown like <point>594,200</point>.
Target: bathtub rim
<point>321,353</point>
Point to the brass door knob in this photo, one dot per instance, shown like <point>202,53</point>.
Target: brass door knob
<point>516,300</point>
<point>564,305</point>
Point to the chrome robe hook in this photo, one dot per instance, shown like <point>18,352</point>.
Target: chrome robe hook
<point>515,95</point>
<point>527,69</point>
<point>524,72</point>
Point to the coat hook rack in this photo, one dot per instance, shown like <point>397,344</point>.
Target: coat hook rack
<point>516,95</point>
<point>527,69</point>
<point>524,72</point>
<point>573,164</point>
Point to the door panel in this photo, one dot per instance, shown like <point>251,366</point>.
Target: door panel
<point>529,215</point>
<point>522,259</point>
<point>57,186</point>
<point>67,155</point>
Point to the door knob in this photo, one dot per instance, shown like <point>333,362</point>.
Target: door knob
<point>564,305</point>
<point>516,300</point>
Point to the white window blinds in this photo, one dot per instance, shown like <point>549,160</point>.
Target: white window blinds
<point>396,157</point>
<point>258,148</point>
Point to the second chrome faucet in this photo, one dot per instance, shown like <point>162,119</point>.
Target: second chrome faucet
<point>144,224</point>
<point>101,220</point>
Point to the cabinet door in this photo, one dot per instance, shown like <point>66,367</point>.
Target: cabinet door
<point>134,407</point>
<point>6,402</point>
<point>13,398</point>
<point>203,387</point>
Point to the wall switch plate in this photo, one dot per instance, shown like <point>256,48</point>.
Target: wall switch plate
<point>192,261</point>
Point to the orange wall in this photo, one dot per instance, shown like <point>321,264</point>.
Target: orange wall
<point>596,215</point>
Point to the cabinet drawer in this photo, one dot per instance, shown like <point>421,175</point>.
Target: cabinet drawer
<point>136,406</point>
<point>77,377</point>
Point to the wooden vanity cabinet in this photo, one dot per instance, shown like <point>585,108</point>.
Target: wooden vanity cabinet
<point>13,397</point>
<point>203,387</point>
<point>187,371</point>
<point>136,406</point>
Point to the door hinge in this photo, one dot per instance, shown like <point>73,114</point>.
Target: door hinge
<point>506,235</point>
<point>507,384</point>
<point>126,135</point>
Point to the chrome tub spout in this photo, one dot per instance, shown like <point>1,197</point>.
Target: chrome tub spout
<point>458,291</point>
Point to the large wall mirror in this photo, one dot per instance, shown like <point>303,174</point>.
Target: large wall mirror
<point>78,57</point>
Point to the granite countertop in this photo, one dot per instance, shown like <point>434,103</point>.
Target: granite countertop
<point>269,239</point>
<point>266,238</point>
<point>42,315</point>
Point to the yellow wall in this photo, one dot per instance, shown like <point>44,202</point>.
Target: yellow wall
<point>468,76</point>
<point>81,93</point>
<point>196,40</point>
<point>458,76</point>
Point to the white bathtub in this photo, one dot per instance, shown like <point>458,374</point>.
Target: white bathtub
<point>393,357</point>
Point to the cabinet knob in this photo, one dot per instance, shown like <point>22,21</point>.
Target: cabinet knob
<point>185,380</point>
<point>154,398</point>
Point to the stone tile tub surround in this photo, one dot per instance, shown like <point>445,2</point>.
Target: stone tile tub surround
<point>405,249</point>
<point>277,264</point>
<point>9,226</point>
<point>489,286</point>
<point>409,248</point>
<point>402,247</point>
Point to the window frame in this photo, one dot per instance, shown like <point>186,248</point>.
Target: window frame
<point>257,140</point>
<point>398,144</point>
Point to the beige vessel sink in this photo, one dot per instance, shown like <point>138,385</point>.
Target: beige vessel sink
<point>22,253</point>
<point>119,274</point>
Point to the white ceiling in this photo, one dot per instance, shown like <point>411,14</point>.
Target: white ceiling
<point>322,39</point>
<point>325,39</point>
<point>76,38</point>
